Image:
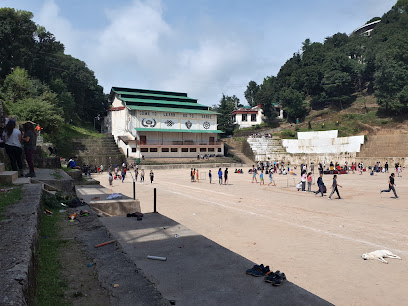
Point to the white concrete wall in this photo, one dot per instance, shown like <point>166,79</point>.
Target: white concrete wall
<point>318,134</point>
<point>248,123</point>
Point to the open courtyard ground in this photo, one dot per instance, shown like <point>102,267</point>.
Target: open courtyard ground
<point>318,243</point>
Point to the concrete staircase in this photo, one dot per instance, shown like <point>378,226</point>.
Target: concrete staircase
<point>267,148</point>
<point>236,148</point>
<point>11,177</point>
<point>97,151</point>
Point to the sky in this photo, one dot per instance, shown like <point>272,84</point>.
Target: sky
<point>205,48</point>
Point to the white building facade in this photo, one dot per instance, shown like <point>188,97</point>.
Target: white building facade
<point>247,117</point>
<point>156,124</point>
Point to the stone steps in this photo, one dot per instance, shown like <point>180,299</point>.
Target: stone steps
<point>8,177</point>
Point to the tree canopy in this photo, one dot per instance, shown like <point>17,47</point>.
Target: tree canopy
<point>34,67</point>
<point>331,73</point>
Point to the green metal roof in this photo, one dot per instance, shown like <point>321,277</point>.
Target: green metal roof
<point>151,95</point>
<point>170,109</point>
<point>148,91</point>
<point>177,131</point>
<point>170,103</point>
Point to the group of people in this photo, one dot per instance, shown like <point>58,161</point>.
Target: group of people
<point>259,135</point>
<point>14,141</point>
<point>121,174</point>
<point>254,171</point>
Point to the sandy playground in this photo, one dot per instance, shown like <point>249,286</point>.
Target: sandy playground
<point>318,243</point>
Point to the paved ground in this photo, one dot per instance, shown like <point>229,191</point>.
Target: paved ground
<point>316,242</point>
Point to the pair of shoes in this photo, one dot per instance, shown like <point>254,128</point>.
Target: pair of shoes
<point>258,270</point>
<point>31,174</point>
<point>276,278</point>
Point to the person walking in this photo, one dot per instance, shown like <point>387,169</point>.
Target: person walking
<point>123,174</point>
<point>334,186</point>
<point>197,176</point>
<point>136,174</point>
<point>386,166</point>
<point>151,176</point>
<point>320,184</point>
<point>271,179</point>
<point>220,176</point>
<point>391,185</point>
<point>12,143</point>
<point>30,142</point>
<point>209,175</point>
<point>226,176</point>
<point>254,174</point>
<point>309,182</point>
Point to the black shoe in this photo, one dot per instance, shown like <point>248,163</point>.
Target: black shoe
<point>279,279</point>
<point>258,270</point>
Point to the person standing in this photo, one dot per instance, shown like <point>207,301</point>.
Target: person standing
<point>136,174</point>
<point>209,175</point>
<point>192,175</point>
<point>226,176</point>
<point>309,182</point>
<point>12,143</point>
<point>334,186</point>
<point>386,166</point>
<point>123,174</point>
<point>261,178</point>
<point>142,176</point>
<point>220,176</point>
<point>30,142</point>
<point>320,184</point>
<point>151,176</point>
<point>303,180</point>
<point>391,185</point>
<point>197,176</point>
<point>254,174</point>
<point>110,178</point>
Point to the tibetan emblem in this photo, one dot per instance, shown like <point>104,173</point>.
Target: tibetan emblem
<point>149,122</point>
<point>188,124</point>
<point>206,125</point>
<point>169,123</point>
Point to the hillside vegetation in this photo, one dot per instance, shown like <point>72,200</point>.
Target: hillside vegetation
<point>351,79</point>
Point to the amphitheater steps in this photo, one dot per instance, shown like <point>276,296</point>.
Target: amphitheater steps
<point>97,151</point>
<point>395,145</point>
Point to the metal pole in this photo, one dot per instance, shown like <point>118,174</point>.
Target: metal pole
<point>154,201</point>
<point>134,190</point>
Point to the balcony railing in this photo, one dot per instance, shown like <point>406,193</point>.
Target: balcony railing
<point>179,143</point>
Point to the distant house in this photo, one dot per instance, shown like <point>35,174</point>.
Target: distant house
<point>366,29</point>
<point>249,116</point>
<point>154,123</point>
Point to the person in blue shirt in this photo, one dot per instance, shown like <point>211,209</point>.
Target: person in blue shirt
<point>72,163</point>
<point>220,176</point>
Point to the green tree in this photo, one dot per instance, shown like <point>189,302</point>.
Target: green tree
<point>225,108</point>
<point>250,93</point>
<point>293,103</point>
<point>17,85</point>
<point>40,111</point>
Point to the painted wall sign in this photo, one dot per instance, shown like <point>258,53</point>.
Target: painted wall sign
<point>149,122</point>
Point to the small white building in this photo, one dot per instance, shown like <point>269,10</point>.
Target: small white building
<point>250,116</point>
<point>156,124</point>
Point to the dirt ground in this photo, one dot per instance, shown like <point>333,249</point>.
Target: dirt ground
<point>318,243</point>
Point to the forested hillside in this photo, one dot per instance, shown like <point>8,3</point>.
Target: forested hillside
<point>336,72</point>
<point>38,81</point>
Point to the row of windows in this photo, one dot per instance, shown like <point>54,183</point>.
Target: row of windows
<point>176,150</point>
<point>245,117</point>
<point>146,113</point>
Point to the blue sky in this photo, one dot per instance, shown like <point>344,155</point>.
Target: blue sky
<point>202,47</point>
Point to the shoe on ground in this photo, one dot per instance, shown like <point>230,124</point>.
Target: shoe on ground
<point>31,174</point>
<point>279,279</point>
<point>271,277</point>
<point>329,198</point>
<point>258,270</point>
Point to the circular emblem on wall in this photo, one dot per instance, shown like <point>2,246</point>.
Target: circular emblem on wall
<point>148,122</point>
<point>169,123</point>
<point>206,125</point>
<point>188,124</point>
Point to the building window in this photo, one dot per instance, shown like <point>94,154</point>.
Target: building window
<point>219,150</point>
<point>234,118</point>
<point>206,116</point>
<point>203,150</point>
<point>144,150</point>
<point>193,150</point>
<point>153,149</point>
<point>165,149</point>
<point>174,150</point>
<point>210,149</point>
<point>133,150</point>
<point>184,149</point>
<point>244,117</point>
<point>253,117</point>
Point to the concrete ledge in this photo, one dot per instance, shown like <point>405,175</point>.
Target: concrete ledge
<point>8,177</point>
<point>183,166</point>
<point>96,197</point>
<point>18,245</point>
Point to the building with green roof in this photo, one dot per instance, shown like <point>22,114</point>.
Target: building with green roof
<point>153,123</point>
